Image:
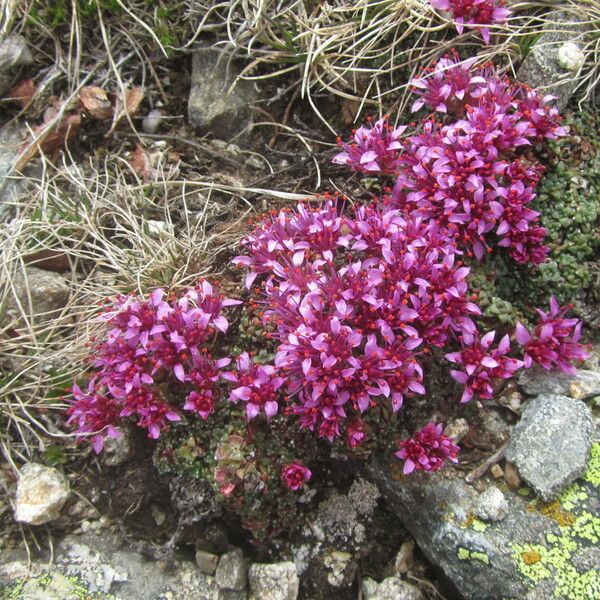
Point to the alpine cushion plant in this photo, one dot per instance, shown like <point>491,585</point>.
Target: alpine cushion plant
<point>465,168</point>
<point>294,475</point>
<point>357,302</point>
<point>482,364</point>
<point>256,386</point>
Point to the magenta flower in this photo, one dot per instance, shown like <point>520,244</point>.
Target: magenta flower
<point>294,475</point>
<point>257,387</point>
<point>94,414</point>
<point>427,450</point>
<point>447,86</point>
<point>554,341</point>
<point>153,340</point>
<point>372,149</point>
<point>482,364</point>
<point>543,119</point>
<point>475,14</point>
<point>355,434</point>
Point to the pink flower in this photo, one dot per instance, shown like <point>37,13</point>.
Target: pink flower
<point>372,149</point>
<point>355,434</point>
<point>475,14</point>
<point>294,475</point>
<point>427,450</point>
<point>554,341</point>
<point>257,387</point>
<point>150,340</point>
<point>447,86</point>
<point>482,364</point>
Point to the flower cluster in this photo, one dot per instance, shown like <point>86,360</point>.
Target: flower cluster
<point>372,149</point>
<point>257,386</point>
<point>150,342</point>
<point>475,14</point>
<point>554,342</point>
<point>427,450</point>
<point>483,364</point>
<point>465,174</point>
<point>355,301</point>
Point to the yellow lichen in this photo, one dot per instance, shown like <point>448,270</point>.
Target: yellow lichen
<point>473,522</point>
<point>554,510</point>
<point>592,475</point>
<point>531,557</point>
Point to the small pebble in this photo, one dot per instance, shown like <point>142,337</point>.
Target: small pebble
<point>497,471</point>
<point>511,476</point>
<point>152,121</point>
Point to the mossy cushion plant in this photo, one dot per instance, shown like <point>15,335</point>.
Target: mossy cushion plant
<point>355,300</point>
<point>569,205</point>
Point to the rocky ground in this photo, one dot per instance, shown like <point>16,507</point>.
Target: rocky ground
<point>517,518</point>
<point>523,523</point>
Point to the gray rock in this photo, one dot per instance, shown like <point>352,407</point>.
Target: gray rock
<point>393,588</point>
<point>105,567</point>
<point>491,505</point>
<point>152,121</point>
<point>207,562</point>
<point>273,582</point>
<point>550,445</point>
<point>213,106</point>
<point>35,293</point>
<point>583,384</point>
<point>41,493</point>
<point>369,588</point>
<point>457,429</point>
<point>12,136</point>
<point>231,571</point>
<point>494,427</point>
<point>13,53</point>
<point>117,451</point>
<point>513,558</point>
<point>549,66</point>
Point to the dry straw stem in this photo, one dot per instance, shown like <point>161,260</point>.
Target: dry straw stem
<point>367,51</point>
<point>113,234</point>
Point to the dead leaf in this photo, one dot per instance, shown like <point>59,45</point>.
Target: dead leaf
<point>350,109</point>
<point>96,103</point>
<point>23,92</point>
<point>50,136</point>
<point>126,104</point>
<point>140,163</point>
<point>49,260</point>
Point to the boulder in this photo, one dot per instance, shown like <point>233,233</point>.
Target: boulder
<point>14,53</point>
<point>231,571</point>
<point>583,384</point>
<point>273,582</point>
<point>555,59</point>
<point>215,106</point>
<point>41,493</point>
<point>207,562</point>
<point>538,551</point>
<point>392,588</point>
<point>98,565</point>
<point>37,294</point>
<point>550,445</point>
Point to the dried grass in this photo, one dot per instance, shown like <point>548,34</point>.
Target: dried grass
<point>109,233</point>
